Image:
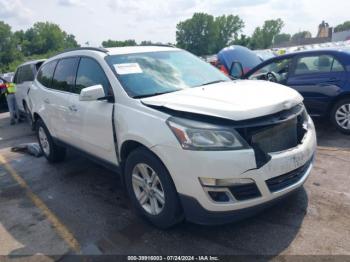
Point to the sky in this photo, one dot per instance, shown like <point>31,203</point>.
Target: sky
<point>94,21</point>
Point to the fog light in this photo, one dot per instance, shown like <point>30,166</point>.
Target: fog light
<point>205,181</point>
<point>218,196</point>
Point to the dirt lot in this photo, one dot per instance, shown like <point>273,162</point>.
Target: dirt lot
<point>79,207</point>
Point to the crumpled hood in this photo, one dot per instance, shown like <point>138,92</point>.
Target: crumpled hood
<point>235,100</point>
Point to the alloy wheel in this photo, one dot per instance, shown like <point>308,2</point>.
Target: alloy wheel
<point>342,116</point>
<point>44,141</point>
<point>148,189</point>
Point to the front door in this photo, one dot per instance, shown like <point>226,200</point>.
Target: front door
<point>318,78</point>
<point>91,121</point>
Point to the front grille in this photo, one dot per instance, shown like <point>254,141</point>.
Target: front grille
<point>277,137</point>
<point>288,179</point>
<point>283,132</point>
<point>245,191</point>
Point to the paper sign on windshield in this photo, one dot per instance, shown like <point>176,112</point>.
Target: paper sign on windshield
<point>128,68</point>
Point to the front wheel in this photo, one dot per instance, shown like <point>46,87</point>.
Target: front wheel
<point>340,116</point>
<point>52,151</point>
<point>151,189</point>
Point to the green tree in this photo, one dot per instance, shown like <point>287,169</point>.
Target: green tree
<point>243,40</point>
<point>297,37</point>
<point>8,48</point>
<point>44,37</point>
<point>342,27</point>
<point>197,34</point>
<point>227,29</point>
<point>281,38</point>
<point>203,34</point>
<point>263,36</point>
<point>116,43</point>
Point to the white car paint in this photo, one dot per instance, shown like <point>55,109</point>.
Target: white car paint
<point>22,87</point>
<point>236,100</point>
<point>89,127</point>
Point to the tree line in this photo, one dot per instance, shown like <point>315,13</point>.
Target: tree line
<point>42,40</point>
<point>202,34</point>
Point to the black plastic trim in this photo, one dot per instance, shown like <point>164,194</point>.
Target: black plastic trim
<point>108,165</point>
<point>195,213</point>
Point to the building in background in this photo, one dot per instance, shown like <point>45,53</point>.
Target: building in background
<point>324,35</point>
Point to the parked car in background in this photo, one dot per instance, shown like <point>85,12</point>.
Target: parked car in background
<point>8,76</point>
<point>321,76</point>
<point>264,54</point>
<point>235,53</point>
<point>23,79</point>
<point>188,141</point>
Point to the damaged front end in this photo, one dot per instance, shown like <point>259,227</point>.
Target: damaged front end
<point>268,134</point>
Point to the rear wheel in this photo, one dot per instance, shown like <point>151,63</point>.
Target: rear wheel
<point>151,189</point>
<point>340,116</point>
<point>52,151</point>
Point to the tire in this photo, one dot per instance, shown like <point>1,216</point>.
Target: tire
<point>50,149</point>
<point>340,116</point>
<point>164,215</point>
<point>29,117</point>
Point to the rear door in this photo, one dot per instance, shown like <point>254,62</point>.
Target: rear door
<point>319,78</point>
<point>23,81</point>
<point>59,95</point>
<point>91,121</point>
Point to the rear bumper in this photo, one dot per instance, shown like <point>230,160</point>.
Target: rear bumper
<point>195,213</point>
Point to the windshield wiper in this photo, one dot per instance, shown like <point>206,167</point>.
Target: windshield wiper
<point>212,82</point>
<point>154,94</point>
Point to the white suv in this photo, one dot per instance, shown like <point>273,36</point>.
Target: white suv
<point>188,141</point>
<point>23,78</point>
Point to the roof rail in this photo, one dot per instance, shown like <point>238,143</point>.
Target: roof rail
<point>165,45</point>
<point>100,49</point>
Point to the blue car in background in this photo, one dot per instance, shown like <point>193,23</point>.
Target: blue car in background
<point>245,56</point>
<point>321,76</point>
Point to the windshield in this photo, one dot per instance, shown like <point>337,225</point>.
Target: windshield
<point>154,73</point>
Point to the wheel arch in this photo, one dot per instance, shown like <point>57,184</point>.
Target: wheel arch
<point>345,95</point>
<point>129,146</point>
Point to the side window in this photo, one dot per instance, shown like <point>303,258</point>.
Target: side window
<point>279,67</point>
<point>26,74</point>
<point>16,78</point>
<point>37,66</point>
<point>337,66</point>
<point>317,64</point>
<point>64,77</point>
<point>46,73</point>
<point>91,73</point>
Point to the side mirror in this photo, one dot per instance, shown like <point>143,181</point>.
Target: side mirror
<point>236,70</point>
<point>92,93</point>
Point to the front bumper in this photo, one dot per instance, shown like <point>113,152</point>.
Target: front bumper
<point>186,167</point>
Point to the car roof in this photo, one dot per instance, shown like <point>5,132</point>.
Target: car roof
<point>306,52</point>
<point>32,62</point>
<point>82,51</point>
<point>138,49</point>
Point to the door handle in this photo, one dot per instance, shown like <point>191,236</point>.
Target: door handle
<point>47,101</point>
<point>73,108</point>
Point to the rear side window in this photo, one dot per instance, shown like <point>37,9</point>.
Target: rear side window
<point>90,73</point>
<point>64,77</point>
<point>337,66</point>
<point>16,77</point>
<point>26,74</point>
<point>317,64</point>
<point>46,73</point>
<point>38,65</point>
